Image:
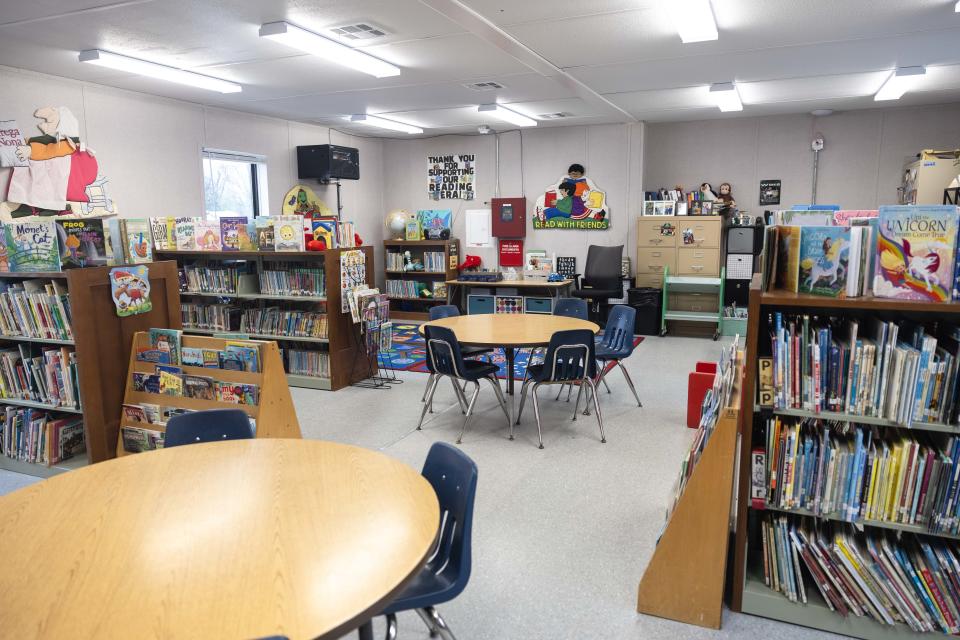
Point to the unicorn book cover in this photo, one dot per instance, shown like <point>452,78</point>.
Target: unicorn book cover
<point>916,250</point>
<point>824,260</point>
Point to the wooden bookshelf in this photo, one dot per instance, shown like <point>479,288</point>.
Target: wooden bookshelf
<point>749,593</point>
<point>410,307</point>
<point>347,362</point>
<point>102,343</point>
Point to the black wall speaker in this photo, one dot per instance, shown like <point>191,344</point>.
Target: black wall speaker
<point>328,162</point>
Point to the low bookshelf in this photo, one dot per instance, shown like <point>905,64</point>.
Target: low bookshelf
<point>750,592</point>
<point>439,258</point>
<point>291,297</point>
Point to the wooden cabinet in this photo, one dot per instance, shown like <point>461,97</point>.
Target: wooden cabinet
<point>688,245</point>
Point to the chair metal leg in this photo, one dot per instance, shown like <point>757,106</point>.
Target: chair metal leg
<point>427,620</point>
<point>536,412</point>
<point>461,397</point>
<point>576,407</point>
<point>630,383</point>
<point>596,405</point>
<point>391,626</point>
<point>523,399</point>
<point>439,624</point>
<point>586,401</point>
<point>569,391</point>
<point>500,399</point>
<point>427,388</point>
<point>429,401</point>
<point>606,385</point>
<point>473,401</point>
<point>560,392</point>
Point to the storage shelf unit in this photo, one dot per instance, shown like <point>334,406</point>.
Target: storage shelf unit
<point>750,594</point>
<point>347,364</point>
<point>411,307</point>
<point>686,245</point>
<point>681,284</point>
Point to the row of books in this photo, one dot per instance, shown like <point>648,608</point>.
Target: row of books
<point>910,580</point>
<point>280,279</point>
<point>408,289</point>
<point>862,472</point>
<point>215,317</point>
<point>307,363</point>
<point>238,233</point>
<point>171,380</point>
<point>166,348</point>
<point>395,261</point>
<point>38,437</point>
<point>201,278</point>
<point>284,322</point>
<point>876,368</point>
<point>35,309</point>
<point>48,375</point>
<point>433,261</point>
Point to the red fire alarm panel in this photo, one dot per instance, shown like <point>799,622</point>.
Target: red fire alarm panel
<point>509,217</point>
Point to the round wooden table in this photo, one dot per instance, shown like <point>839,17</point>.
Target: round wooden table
<point>239,539</point>
<point>510,331</point>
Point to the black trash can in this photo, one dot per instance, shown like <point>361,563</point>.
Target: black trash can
<point>647,301</point>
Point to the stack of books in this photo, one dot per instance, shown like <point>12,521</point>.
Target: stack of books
<point>38,437</point>
<point>211,278</point>
<point>282,279</point>
<point>284,322</point>
<point>308,363</point>
<point>48,377</point>
<point>35,309</point>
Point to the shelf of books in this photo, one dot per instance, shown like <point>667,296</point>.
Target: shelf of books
<point>172,374</point>
<point>848,506</point>
<point>416,272</point>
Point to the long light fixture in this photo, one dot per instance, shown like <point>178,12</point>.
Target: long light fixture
<point>315,44</point>
<point>694,20</point>
<point>726,96</point>
<point>160,71</point>
<point>502,113</point>
<point>383,123</point>
<point>956,7</point>
<point>903,79</point>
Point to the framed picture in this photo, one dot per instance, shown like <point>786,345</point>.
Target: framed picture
<point>649,208</point>
<point>681,209</point>
<point>706,209</point>
<point>769,192</point>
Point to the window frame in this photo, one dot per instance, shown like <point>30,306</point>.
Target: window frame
<point>258,176</point>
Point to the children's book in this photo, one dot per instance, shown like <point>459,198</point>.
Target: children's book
<point>137,440</point>
<point>171,384</point>
<point>191,357</point>
<point>83,243</point>
<point>916,251</point>
<point>230,229</point>
<point>412,230</point>
<point>231,361</point>
<point>288,233</point>
<point>264,233</point>
<point>146,382</point>
<point>152,412</point>
<point>249,353</point>
<point>200,387</point>
<point>247,237</point>
<point>186,234</point>
<point>158,229</point>
<point>788,258</point>
<point>211,359</point>
<point>824,260</point>
<point>325,229</point>
<point>32,246</point>
<point>139,245</point>
<point>207,235</point>
<point>167,340</point>
<point>134,413</point>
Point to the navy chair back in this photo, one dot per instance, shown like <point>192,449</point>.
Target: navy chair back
<point>443,311</point>
<point>570,356</point>
<point>618,334</point>
<point>207,426</point>
<point>571,308</point>
<point>443,351</point>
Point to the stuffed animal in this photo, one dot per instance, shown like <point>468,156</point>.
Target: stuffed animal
<point>726,197</point>
<point>409,264</point>
<point>470,262</point>
<point>316,245</point>
<point>706,192</point>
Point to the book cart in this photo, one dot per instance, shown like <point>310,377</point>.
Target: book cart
<point>410,307</point>
<point>274,414</point>
<point>101,340</point>
<point>336,344</point>
<point>750,594</point>
<point>685,578</point>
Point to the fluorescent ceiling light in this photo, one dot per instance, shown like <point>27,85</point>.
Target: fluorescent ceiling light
<point>501,112</point>
<point>694,20</point>
<point>899,82</point>
<point>154,70</point>
<point>312,43</point>
<point>956,7</point>
<point>726,96</point>
<point>383,123</point>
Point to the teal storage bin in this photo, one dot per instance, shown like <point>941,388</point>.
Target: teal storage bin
<point>479,304</point>
<point>538,305</point>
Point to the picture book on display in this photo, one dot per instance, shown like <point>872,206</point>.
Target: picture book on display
<point>264,239</point>
<point>916,251</point>
<point>247,237</point>
<point>137,440</point>
<point>788,258</point>
<point>32,246</point>
<point>139,245</point>
<point>325,229</point>
<point>231,229</point>
<point>83,243</point>
<point>167,341</point>
<point>206,235</point>
<point>185,234</point>
<point>824,258</point>
<point>288,233</point>
<point>161,236</point>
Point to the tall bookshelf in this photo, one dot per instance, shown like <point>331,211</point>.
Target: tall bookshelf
<point>749,593</point>
<point>101,340</point>
<point>347,364</point>
<point>414,307</point>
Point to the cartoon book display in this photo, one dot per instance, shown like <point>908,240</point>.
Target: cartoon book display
<point>32,246</point>
<point>264,237</point>
<point>916,251</point>
<point>83,243</point>
<point>824,260</point>
<point>325,230</point>
<point>788,258</point>
<point>288,233</point>
<point>231,229</point>
<point>207,235</point>
<point>139,243</point>
<point>185,234</point>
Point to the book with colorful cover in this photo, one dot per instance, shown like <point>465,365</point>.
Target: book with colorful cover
<point>191,356</point>
<point>249,353</point>
<point>247,237</point>
<point>237,393</point>
<point>168,340</point>
<point>288,233</point>
<point>207,235</point>
<point>32,246</point>
<point>186,234</point>
<point>433,222</point>
<point>211,359</point>
<point>230,230</point>
<point>158,229</point>
<point>824,260</point>
<point>264,233</point>
<point>139,245</point>
<point>83,243</point>
<point>788,258</point>
<point>230,361</point>
<point>137,440</point>
<point>134,413</point>
<point>146,382</point>
<point>325,229</point>
<point>200,387</point>
<point>152,412</point>
<point>171,384</point>
<point>916,252</point>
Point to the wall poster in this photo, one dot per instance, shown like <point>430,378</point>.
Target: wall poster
<point>574,202</point>
<point>452,177</point>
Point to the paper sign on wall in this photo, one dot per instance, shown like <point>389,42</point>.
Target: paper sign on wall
<point>511,253</point>
<point>478,232</point>
<point>451,177</point>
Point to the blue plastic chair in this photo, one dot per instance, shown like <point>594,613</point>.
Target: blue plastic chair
<point>450,311</point>
<point>207,426</point>
<point>616,344</point>
<point>445,359</point>
<point>569,360</point>
<point>572,308</point>
<point>454,477</point>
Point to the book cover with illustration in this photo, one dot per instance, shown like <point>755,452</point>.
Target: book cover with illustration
<point>916,249</point>
<point>83,243</point>
<point>788,258</point>
<point>158,229</point>
<point>264,234</point>
<point>139,248</point>
<point>207,235</point>
<point>32,246</point>
<point>230,230</point>
<point>186,234</point>
<point>824,260</point>
<point>247,237</point>
<point>288,233</point>
<point>200,387</point>
<point>325,229</point>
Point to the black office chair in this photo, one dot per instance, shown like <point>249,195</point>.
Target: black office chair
<point>601,278</point>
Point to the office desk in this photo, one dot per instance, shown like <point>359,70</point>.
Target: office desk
<point>238,539</point>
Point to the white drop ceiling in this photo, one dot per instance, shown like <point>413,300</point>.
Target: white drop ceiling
<point>600,61</point>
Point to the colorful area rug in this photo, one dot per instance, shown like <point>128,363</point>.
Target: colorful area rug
<point>409,353</point>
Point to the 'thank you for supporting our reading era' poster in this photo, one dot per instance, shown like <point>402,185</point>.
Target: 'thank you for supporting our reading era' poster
<point>451,177</point>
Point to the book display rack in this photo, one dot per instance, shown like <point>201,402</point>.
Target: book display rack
<point>439,259</point>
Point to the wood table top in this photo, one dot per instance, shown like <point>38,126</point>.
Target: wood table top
<point>512,283</point>
<point>238,539</point>
<point>509,329</point>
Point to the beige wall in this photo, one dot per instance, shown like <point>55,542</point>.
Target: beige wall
<point>860,165</point>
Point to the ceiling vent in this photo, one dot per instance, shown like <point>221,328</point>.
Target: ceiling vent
<point>359,32</point>
<point>553,116</point>
<point>484,86</point>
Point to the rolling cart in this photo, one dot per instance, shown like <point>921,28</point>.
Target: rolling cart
<point>692,284</point>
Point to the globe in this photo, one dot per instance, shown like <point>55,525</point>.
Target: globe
<point>396,223</point>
